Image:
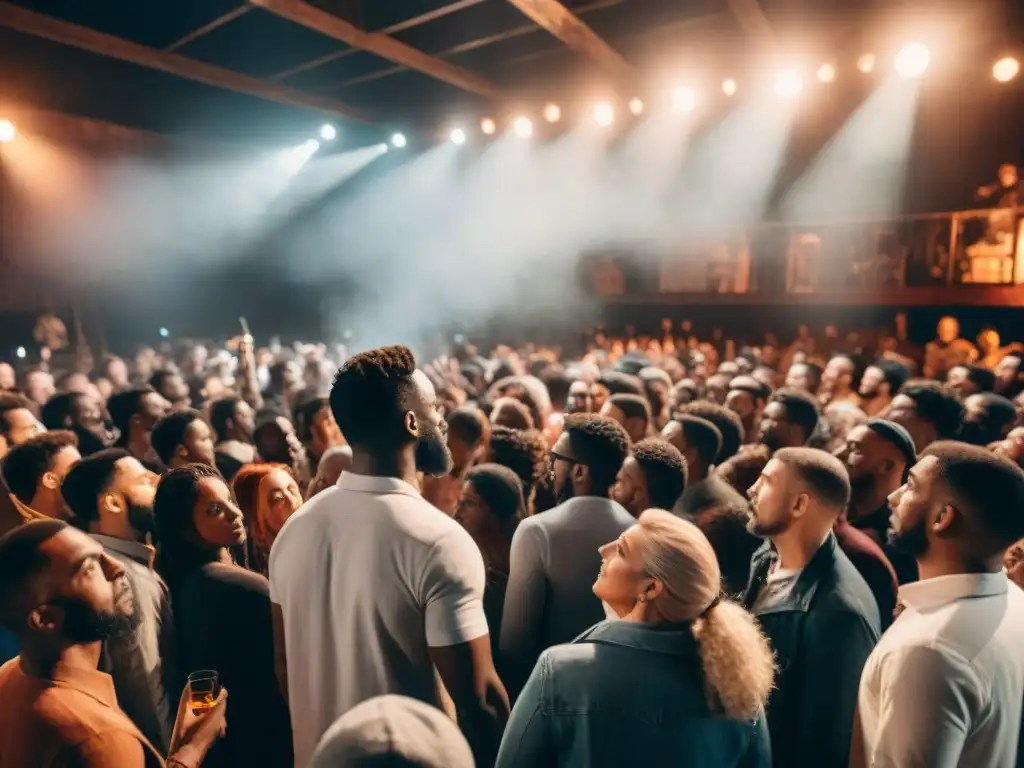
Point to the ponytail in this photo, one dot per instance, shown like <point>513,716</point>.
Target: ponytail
<point>739,668</point>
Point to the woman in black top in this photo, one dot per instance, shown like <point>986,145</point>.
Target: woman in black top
<point>490,508</point>
<point>222,613</point>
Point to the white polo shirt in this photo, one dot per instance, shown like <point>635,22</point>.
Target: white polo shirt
<point>945,684</point>
<point>368,576</point>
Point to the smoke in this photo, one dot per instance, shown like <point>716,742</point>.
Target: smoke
<point>456,236</point>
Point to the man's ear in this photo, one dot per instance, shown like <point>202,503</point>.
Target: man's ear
<point>50,481</point>
<point>945,519</point>
<point>412,424</point>
<point>44,618</point>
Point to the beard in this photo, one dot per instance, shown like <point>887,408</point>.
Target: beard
<point>564,492</point>
<point>88,443</point>
<point>861,487</point>
<point>141,518</point>
<point>85,624</point>
<point>912,541</point>
<point>764,528</point>
<point>432,454</point>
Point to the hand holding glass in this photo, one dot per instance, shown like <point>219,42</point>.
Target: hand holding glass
<point>203,688</point>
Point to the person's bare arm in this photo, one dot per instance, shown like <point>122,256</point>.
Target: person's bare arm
<point>467,671</point>
<point>280,657</point>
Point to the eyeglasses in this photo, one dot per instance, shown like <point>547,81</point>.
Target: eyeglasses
<point>559,457</point>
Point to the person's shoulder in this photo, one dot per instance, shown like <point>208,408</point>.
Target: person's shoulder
<point>234,579</point>
<point>847,592</point>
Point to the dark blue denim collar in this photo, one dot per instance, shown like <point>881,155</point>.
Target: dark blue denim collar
<point>670,639</point>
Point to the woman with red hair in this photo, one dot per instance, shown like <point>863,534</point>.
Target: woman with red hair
<point>268,495</point>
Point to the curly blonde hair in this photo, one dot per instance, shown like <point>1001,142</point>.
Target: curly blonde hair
<point>739,668</point>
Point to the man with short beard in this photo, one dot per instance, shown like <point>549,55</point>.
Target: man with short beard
<point>83,415</point>
<point>944,686</point>
<point>813,605</point>
<point>880,383</point>
<point>372,588</point>
<point>111,495</point>
<point>555,556</point>
<point>62,596</point>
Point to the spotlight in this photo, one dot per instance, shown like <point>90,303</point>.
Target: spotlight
<point>488,126</point>
<point>913,60</point>
<point>604,114</point>
<point>552,113</point>
<point>398,140</point>
<point>21,353</point>
<point>7,131</point>
<point>523,127</point>
<point>729,87</point>
<point>636,106</point>
<point>866,63</point>
<point>311,146</point>
<point>1006,69</point>
<point>789,83</point>
<point>164,333</point>
<point>458,136</point>
<point>826,73</point>
<point>684,99</point>
<point>328,132</point>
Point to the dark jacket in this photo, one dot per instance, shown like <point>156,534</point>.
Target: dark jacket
<point>822,628</point>
<point>624,694</point>
<point>871,563</point>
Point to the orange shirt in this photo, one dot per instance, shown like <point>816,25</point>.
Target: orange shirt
<point>70,719</point>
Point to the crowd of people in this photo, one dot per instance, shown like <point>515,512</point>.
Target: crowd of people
<point>657,551</point>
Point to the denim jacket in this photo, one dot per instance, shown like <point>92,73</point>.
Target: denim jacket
<point>623,694</point>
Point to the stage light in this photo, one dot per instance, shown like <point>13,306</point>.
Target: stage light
<point>913,60</point>
<point>7,131</point>
<point>311,146</point>
<point>729,87</point>
<point>1006,69</point>
<point>21,353</point>
<point>604,114</point>
<point>789,83</point>
<point>398,140</point>
<point>523,127</point>
<point>488,126</point>
<point>636,106</point>
<point>684,99</point>
<point>866,63</point>
<point>458,136</point>
<point>164,333</point>
<point>552,113</point>
<point>328,132</point>
<point>826,73</point>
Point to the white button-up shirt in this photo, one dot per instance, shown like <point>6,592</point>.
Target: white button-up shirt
<point>944,686</point>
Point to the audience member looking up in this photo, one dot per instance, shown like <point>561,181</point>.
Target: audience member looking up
<point>233,422</point>
<point>838,380</point>
<point>747,398</point>
<point>83,415</point>
<point>988,418</point>
<point>18,421</point>
<point>425,614</point>
<point>171,387</point>
<point>135,412</point>
<point>268,495</point>
<point>111,496</point>
<point>879,385</point>
<point>813,605</point>
<point>969,379</point>
<point>945,684</point>
<point>62,596</point>
<point>679,649</point>
<point>555,555</point>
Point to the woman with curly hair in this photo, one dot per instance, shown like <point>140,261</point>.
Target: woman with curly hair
<point>268,495</point>
<point>682,676</point>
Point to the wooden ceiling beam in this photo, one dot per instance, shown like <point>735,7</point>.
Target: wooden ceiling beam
<point>38,25</point>
<point>300,12</point>
<point>401,26</point>
<point>220,21</point>
<point>567,27</point>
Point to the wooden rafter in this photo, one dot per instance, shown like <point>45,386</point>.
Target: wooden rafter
<point>571,30</point>
<point>36,24</point>
<point>220,21</point>
<point>401,26</point>
<point>379,44</point>
<point>470,45</point>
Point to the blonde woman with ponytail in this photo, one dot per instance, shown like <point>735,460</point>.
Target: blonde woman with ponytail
<point>681,678</point>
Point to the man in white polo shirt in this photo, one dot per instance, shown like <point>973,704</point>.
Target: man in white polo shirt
<point>372,587</point>
<point>944,686</point>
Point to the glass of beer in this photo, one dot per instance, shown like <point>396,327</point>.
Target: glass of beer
<point>203,688</point>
